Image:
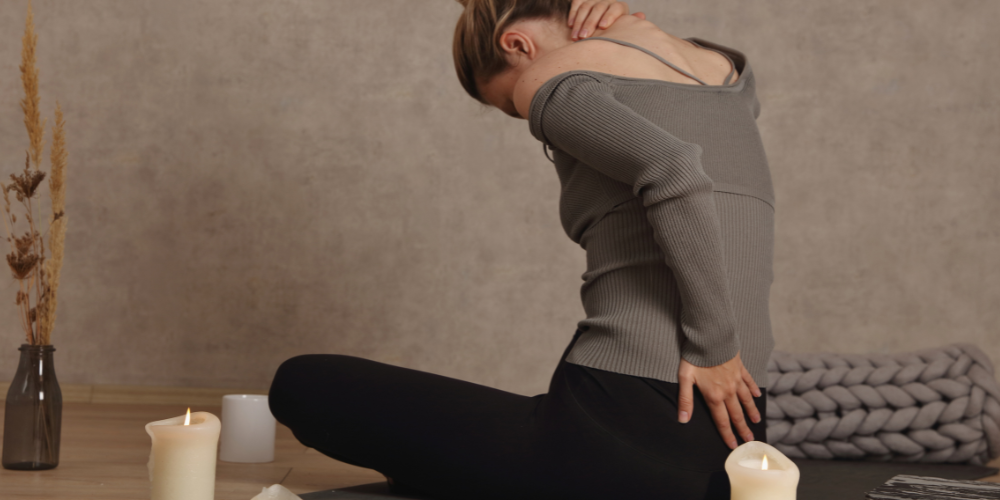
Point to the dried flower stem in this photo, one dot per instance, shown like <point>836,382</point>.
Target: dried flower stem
<point>57,191</point>
<point>8,224</point>
<point>36,131</point>
<point>27,259</point>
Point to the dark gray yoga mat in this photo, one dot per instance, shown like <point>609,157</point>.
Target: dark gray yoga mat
<point>818,480</point>
<point>850,479</point>
<point>903,487</point>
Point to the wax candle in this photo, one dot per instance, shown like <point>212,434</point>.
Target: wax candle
<point>758,471</point>
<point>248,429</point>
<point>182,459</point>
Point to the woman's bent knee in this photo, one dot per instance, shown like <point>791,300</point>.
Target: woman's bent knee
<point>296,382</point>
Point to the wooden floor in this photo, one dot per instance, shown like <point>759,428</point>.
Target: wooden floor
<point>105,448</point>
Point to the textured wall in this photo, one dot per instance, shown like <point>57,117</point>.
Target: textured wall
<point>250,180</point>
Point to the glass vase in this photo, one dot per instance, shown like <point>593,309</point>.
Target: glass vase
<point>33,412</point>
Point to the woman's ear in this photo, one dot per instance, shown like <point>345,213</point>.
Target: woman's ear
<point>516,44</point>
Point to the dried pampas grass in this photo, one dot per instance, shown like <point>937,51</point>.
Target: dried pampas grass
<point>28,264</point>
<point>57,229</point>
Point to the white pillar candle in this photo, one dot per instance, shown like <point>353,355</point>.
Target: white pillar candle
<point>748,480</point>
<point>248,429</point>
<point>182,459</point>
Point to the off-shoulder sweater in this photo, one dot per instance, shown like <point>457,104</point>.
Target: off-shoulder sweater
<point>667,188</point>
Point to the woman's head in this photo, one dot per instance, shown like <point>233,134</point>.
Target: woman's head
<point>477,50</point>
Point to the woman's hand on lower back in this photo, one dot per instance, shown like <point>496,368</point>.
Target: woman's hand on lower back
<point>586,14</point>
<point>724,387</point>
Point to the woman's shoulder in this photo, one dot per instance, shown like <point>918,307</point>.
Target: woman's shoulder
<point>578,56</point>
<point>612,58</point>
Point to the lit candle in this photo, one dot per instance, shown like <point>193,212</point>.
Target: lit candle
<point>758,471</point>
<point>182,460</point>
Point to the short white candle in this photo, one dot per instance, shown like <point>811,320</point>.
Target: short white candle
<point>182,459</point>
<point>248,429</point>
<point>749,481</point>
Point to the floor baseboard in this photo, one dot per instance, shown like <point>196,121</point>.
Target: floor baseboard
<point>142,394</point>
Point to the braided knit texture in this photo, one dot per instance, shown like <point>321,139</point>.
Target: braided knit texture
<point>935,405</point>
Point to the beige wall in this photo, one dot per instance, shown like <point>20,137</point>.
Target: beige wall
<point>257,179</point>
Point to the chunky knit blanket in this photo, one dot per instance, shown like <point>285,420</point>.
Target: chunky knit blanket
<point>935,405</point>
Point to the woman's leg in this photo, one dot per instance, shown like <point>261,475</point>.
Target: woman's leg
<point>443,436</point>
<point>458,440</point>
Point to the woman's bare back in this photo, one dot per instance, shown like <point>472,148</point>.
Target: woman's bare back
<point>616,59</point>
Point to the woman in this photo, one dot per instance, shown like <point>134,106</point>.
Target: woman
<point>666,185</point>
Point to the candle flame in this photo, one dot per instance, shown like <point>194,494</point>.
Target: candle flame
<point>187,418</point>
<point>763,465</point>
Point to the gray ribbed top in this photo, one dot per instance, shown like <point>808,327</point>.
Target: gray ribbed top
<point>667,187</point>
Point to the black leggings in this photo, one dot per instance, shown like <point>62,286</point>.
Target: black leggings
<point>595,435</point>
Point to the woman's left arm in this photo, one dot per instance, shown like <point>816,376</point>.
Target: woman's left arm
<point>586,15</point>
<point>579,115</point>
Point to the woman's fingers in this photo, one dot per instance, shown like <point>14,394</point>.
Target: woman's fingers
<point>752,390</point>
<point>750,381</point>
<point>721,415</point>
<point>727,390</point>
<point>751,407</point>
<point>736,415</point>
<point>727,412</point>
<point>572,12</point>
<point>615,10</point>
<point>746,398</point>
<point>586,15</point>
<point>685,400</point>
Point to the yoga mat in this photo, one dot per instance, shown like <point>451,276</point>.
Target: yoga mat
<point>851,479</point>
<point>818,480</point>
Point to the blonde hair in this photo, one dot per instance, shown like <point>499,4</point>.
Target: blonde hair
<point>476,46</point>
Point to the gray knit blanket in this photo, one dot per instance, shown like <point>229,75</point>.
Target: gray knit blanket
<point>935,405</point>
